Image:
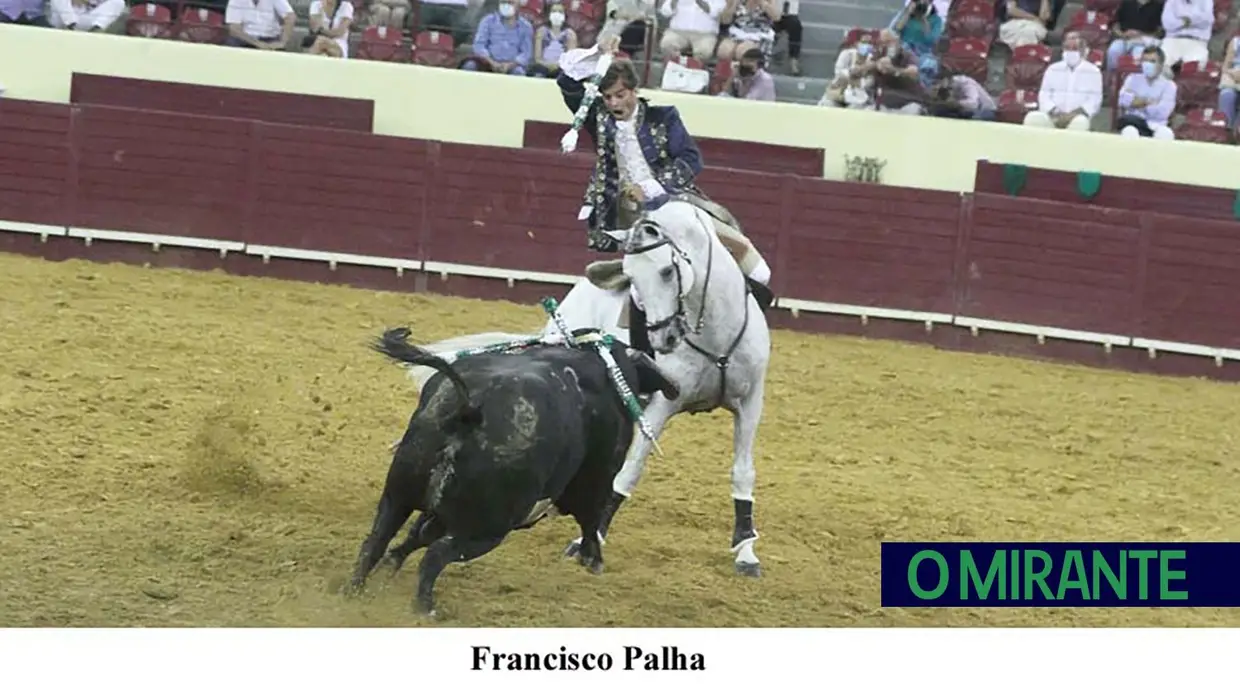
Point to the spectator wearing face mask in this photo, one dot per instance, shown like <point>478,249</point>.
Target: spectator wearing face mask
<point>751,80</point>
<point>1187,25</point>
<point>1137,24</point>
<point>1229,82</point>
<point>853,85</point>
<point>1025,22</point>
<point>505,40</point>
<point>897,78</point>
<point>1071,90</point>
<point>962,97</point>
<point>920,26</point>
<point>1146,101</point>
<point>551,41</point>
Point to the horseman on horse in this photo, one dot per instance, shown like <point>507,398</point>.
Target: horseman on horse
<point>645,158</point>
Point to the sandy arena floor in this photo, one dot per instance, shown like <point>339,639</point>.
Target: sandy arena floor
<point>197,449</point>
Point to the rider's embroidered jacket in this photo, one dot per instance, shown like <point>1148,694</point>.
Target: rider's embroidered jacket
<point>672,155</point>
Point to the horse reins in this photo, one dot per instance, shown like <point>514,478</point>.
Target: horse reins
<point>722,361</point>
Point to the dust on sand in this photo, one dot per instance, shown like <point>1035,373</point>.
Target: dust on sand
<point>189,448</point>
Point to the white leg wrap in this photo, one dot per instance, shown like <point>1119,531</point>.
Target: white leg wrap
<point>761,273</point>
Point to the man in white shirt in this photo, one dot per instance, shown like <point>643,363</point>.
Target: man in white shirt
<point>86,15</point>
<point>694,25</point>
<point>1188,25</point>
<point>1071,90</point>
<point>262,24</point>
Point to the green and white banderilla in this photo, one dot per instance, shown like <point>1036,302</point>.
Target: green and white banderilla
<point>603,347</point>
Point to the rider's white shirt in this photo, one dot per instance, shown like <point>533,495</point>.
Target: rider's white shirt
<point>633,165</point>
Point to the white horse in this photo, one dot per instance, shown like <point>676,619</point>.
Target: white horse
<point>708,332</point>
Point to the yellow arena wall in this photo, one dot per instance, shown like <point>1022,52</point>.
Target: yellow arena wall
<point>484,109</point>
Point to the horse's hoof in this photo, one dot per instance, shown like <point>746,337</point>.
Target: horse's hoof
<point>751,570</point>
<point>573,549</point>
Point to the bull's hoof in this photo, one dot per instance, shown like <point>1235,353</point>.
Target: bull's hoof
<point>352,589</point>
<point>425,607</point>
<point>573,550</point>
<point>748,569</point>
<point>593,565</point>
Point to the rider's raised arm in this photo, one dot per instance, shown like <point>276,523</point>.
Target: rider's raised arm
<point>686,159</point>
<point>578,67</point>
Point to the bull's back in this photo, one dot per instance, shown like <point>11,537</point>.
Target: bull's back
<point>532,439</point>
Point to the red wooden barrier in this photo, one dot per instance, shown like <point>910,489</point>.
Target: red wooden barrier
<point>236,102</point>
<point>370,205</point>
<point>716,152</point>
<point>1115,192</point>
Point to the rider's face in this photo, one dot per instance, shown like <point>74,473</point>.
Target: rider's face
<point>620,100</point>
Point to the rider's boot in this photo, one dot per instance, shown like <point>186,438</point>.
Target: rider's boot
<point>758,278</point>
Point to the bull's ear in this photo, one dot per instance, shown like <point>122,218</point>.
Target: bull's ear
<point>649,378</point>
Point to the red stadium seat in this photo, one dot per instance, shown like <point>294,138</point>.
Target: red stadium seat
<point>382,44</point>
<point>1204,126</point>
<point>1107,6</point>
<point>1115,79</point>
<point>1197,85</point>
<point>1098,57</point>
<point>149,20</point>
<point>968,57</point>
<point>722,76</point>
<point>972,19</point>
<point>590,9</point>
<point>581,16</point>
<point>532,10</point>
<point>854,35</point>
<point>434,48</point>
<point>1025,68</point>
<point>199,25</point>
<point>1094,27</point>
<point>1012,105</point>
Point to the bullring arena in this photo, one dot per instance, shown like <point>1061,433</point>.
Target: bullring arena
<point>193,448</point>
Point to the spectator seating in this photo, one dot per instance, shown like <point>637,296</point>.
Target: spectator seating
<point>150,20</point>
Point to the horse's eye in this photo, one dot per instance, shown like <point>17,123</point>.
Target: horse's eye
<point>666,272</point>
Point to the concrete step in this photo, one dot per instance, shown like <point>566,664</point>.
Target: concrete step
<point>869,15</point>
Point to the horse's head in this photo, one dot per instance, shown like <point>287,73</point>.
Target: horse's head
<point>663,275</point>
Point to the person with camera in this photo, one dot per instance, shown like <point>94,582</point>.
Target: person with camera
<point>853,86</point>
<point>898,78</point>
<point>919,26</point>
<point>751,80</point>
<point>962,97</point>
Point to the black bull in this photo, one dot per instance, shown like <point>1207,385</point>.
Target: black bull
<point>495,438</point>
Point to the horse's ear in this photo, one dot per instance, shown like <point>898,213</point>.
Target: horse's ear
<point>649,378</point>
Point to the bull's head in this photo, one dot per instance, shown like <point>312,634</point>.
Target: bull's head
<point>650,378</point>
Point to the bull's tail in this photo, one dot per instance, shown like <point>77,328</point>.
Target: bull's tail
<point>395,345</point>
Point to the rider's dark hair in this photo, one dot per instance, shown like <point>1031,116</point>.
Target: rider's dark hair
<point>621,70</point>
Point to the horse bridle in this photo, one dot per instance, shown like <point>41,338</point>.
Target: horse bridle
<point>721,361</point>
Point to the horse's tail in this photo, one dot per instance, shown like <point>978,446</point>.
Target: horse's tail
<point>423,372</point>
<point>395,345</point>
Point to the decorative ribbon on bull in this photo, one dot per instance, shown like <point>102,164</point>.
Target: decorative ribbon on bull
<point>573,63</point>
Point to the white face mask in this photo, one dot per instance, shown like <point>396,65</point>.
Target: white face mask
<point>1072,58</point>
<point>507,9</point>
<point>557,18</point>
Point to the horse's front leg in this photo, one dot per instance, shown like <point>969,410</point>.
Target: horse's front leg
<point>657,414</point>
<point>745,422</point>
